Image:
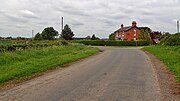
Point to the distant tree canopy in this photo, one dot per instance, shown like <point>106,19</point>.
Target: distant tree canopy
<point>94,37</point>
<point>164,35</point>
<point>144,35</point>
<point>88,37</point>
<point>146,28</point>
<point>67,34</point>
<point>20,38</point>
<point>171,40</point>
<point>47,34</point>
<point>111,36</point>
<point>38,36</point>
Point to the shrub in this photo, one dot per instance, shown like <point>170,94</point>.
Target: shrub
<point>173,40</point>
<point>163,40</point>
<point>64,42</point>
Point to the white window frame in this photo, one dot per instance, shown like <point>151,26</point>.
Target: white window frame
<point>123,34</point>
<point>117,34</point>
<point>135,34</point>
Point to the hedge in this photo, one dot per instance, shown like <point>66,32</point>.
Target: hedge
<point>173,40</point>
<point>22,45</point>
<point>112,43</point>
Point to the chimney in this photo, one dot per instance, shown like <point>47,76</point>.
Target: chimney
<point>134,23</point>
<point>122,25</point>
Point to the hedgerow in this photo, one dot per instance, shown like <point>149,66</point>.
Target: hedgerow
<point>112,42</point>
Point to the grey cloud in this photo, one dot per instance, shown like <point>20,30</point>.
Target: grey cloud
<point>86,16</point>
<point>71,11</point>
<point>42,23</point>
<point>20,26</point>
<point>146,20</point>
<point>77,24</point>
<point>16,18</point>
<point>30,17</point>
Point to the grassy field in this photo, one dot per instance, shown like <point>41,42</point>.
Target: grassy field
<point>170,55</point>
<point>5,42</point>
<point>22,64</point>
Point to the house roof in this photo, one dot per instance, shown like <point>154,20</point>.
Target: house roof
<point>125,28</point>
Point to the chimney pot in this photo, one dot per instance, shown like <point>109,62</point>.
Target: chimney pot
<point>134,23</point>
<point>122,25</point>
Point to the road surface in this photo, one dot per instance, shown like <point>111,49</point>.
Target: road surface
<point>116,74</point>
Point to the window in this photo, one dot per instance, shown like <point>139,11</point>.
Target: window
<point>116,34</point>
<point>123,34</point>
<point>134,32</point>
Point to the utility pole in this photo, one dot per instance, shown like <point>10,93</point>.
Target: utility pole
<point>61,26</point>
<point>32,34</point>
<point>177,26</point>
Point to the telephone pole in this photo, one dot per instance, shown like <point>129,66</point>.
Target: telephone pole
<point>32,34</point>
<point>61,26</point>
<point>177,26</point>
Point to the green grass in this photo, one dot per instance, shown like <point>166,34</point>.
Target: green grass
<point>170,55</point>
<point>22,64</point>
<point>5,42</point>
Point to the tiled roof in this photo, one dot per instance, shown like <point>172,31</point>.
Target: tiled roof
<point>124,29</point>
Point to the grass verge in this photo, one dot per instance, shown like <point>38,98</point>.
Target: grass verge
<point>170,55</point>
<point>23,64</point>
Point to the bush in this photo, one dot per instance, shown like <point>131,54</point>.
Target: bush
<point>173,40</point>
<point>64,42</point>
<point>163,40</point>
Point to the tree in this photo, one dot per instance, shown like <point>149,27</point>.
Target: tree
<point>144,35</point>
<point>146,28</point>
<point>111,36</point>
<point>67,34</point>
<point>38,36</point>
<point>9,38</point>
<point>49,33</point>
<point>93,37</point>
<point>88,37</point>
<point>164,35</point>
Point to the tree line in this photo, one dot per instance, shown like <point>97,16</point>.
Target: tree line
<point>50,33</point>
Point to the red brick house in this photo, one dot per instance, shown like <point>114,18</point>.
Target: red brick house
<point>127,33</point>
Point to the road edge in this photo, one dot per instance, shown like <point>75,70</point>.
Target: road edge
<point>166,79</point>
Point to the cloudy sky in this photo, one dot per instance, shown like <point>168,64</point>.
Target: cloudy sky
<point>86,17</point>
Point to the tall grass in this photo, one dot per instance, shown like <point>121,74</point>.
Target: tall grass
<point>170,55</point>
<point>18,64</point>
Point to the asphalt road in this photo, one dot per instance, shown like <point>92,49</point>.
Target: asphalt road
<point>116,74</point>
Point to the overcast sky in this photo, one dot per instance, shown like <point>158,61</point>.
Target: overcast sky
<point>86,17</point>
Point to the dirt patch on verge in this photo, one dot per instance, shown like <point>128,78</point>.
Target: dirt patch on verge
<point>170,89</point>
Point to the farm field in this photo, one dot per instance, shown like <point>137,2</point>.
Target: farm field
<point>170,55</point>
<point>24,63</point>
